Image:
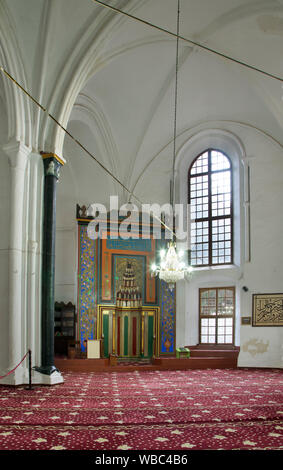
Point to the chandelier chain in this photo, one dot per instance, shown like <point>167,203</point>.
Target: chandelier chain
<point>175,105</point>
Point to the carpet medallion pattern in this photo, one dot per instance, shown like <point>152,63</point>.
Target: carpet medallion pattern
<point>147,410</point>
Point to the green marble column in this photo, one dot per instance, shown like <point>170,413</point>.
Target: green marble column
<point>52,165</point>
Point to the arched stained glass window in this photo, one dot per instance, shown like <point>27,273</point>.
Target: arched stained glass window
<point>210,199</point>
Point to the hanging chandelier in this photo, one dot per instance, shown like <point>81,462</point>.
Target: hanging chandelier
<point>172,268</point>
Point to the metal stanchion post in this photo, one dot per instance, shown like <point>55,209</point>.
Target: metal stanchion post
<point>29,370</point>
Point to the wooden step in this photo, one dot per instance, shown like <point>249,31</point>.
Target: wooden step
<point>206,351</point>
<point>161,363</point>
<point>196,363</point>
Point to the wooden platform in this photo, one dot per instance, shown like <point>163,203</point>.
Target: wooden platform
<point>201,358</point>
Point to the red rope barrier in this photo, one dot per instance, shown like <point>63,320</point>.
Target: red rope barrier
<point>2,376</point>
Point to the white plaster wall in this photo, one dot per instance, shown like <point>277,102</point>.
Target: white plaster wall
<point>259,346</point>
<point>65,277</point>
<point>66,237</point>
<point>262,346</point>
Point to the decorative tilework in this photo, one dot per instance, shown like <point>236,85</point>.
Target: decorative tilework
<point>128,245</point>
<point>86,286</point>
<point>167,319</point>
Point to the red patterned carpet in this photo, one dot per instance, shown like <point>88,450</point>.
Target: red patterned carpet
<point>144,410</point>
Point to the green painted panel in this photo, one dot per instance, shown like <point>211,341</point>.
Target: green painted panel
<point>126,329</point>
<point>150,335</point>
<point>106,334</point>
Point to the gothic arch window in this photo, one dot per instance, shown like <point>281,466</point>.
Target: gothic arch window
<point>210,196</point>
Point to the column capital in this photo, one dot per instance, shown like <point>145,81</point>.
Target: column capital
<point>52,164</point>
<point>53,156</point>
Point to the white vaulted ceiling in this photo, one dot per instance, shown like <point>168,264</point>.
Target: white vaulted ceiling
<point>110,80</point>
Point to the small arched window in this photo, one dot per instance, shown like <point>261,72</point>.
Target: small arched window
<point>211,206</point>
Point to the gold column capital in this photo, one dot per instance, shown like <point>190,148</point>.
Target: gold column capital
<point>60,160</point>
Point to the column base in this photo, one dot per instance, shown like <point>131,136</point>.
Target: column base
<point>46,370</point>
<point>21,377</point>
<point>39,377</point>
